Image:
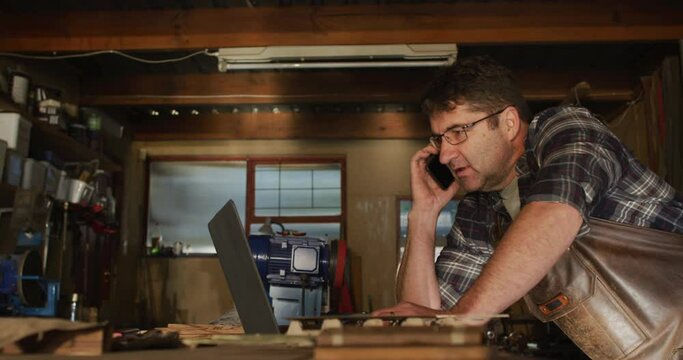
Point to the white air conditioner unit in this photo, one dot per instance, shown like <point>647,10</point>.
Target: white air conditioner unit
<point>335,56</point>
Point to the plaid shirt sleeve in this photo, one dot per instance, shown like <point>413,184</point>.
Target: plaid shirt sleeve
<point>576,159</point>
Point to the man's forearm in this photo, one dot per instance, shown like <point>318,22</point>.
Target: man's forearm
<point>417,281</point>
<point>534,242</point>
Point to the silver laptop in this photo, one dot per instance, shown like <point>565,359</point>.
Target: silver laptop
<point>240,271</point>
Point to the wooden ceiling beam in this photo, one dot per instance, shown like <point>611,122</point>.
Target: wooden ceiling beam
<point>284,126</point>
<point>459,22</point>
<point>258,88</point>
<point>380,86</point>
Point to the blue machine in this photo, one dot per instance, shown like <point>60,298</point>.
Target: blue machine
<point>295,272</point>
<point>23,290</point>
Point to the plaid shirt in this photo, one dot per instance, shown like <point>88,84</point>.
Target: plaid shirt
<point>570,158</point>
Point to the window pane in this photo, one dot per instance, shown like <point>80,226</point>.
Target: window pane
<point>296,199</point>
<point>184,196</point>
<point>327,198</point>
<point>267,199</point>
<point>296,179</point>
<point>327,178</point>
<point>267,177</point>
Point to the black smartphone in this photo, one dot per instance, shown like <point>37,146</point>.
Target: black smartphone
<point>439,172</point>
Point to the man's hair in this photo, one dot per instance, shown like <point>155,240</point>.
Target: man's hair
<point>480,81</point>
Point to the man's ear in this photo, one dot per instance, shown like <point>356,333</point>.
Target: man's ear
<point>512,122</point>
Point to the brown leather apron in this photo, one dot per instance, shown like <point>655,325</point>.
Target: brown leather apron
<point>617,293</point>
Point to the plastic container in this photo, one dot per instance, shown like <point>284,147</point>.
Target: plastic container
<point>14,168</point>
<point>50,157</point>
<point>62,186</point>
<point>20,85</point>
<point>16,131</point>
<point>34,175</point>
<point>94,132</point>
<point>51,178</point>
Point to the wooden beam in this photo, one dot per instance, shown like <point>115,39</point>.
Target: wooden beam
<point>285,126</point>
<point>258,88</point>
<point>381,86</point>
<point>459,22</point>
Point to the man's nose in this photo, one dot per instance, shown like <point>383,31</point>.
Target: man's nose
<point>448,152</point>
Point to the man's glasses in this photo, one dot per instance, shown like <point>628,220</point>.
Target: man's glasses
<point>458,133</point>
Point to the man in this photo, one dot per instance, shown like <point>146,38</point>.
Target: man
<point>532,188</point>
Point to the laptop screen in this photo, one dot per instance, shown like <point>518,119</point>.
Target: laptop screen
<point>230,241</point>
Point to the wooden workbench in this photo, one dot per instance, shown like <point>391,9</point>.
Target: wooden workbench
<point>232,352</point>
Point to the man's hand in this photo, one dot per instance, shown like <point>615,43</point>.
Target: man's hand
<point>406,308</point>
<point>426,193</point>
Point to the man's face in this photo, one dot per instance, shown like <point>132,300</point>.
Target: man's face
<point>483,162</point>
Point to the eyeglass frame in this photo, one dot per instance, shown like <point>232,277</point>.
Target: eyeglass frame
<point>435,140</point>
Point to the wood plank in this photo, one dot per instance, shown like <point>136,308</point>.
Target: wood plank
<point>259,87</point>
<point>403,352</point>
<point>380,86</point>
<point>460,22</point>
<point>201,331</point>
<point>84,342</point>
<point>351,336</point>
<point>285,126</point>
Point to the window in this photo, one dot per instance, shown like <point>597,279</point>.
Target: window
<point>443,224</point>
<point>184,196</point>
<point>305,195</point>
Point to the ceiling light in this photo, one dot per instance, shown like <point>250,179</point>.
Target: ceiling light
<point>335,56</point>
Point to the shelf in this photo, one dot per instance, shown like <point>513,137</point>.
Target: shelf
<point>53,139</point>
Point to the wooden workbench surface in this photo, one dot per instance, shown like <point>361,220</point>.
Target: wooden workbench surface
<point>214,352</point>
<point>222,352</point>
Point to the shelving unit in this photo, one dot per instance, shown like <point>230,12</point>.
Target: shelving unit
<point>64,145</point>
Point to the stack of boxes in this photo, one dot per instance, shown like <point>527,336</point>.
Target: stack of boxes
<point>42,173</point>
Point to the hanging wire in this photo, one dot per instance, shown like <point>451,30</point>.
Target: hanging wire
<point>101,52</point>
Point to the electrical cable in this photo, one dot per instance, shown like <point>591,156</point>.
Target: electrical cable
<point>101,52</point>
